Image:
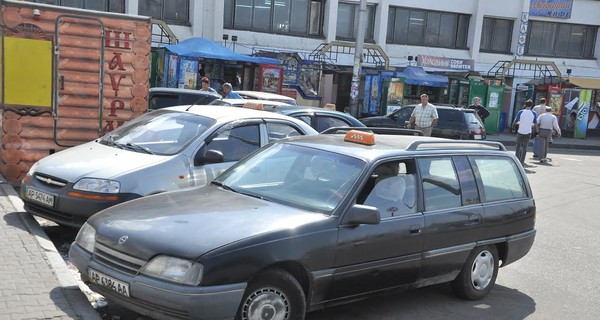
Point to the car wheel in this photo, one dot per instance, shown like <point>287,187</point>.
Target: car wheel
<point>478,275</point>
<point>273,295</point>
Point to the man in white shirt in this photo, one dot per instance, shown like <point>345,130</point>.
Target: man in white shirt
<point>539,110</point>
<point>526,119</point>
<point>546,123</point>
<point>424,116</point>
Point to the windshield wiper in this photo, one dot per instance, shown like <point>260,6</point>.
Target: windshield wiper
<point>226,187</point>
<point>138,147</point>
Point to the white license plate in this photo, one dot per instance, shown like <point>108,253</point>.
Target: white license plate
<point>108,282</point>
<point>477,137</point>
<point>39,197</point>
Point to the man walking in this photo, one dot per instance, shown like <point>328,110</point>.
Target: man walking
<point>546,123</point>
<point>539,110</point>
<point>482,112</point>
<point>525,119</point>
<point>424,116</point>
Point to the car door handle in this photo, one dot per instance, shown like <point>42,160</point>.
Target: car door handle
<point>415,229</point>
<point>474,218</point>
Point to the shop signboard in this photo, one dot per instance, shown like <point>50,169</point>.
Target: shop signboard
<point>188,72</point>
<point>445,63</point>
<point>551,8</point>
<point>585,97</point>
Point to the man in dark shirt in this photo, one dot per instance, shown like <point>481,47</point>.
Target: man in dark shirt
<point>481,110</point>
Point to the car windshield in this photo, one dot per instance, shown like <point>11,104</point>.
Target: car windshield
<point>159,132</point>
<point>301,177</point>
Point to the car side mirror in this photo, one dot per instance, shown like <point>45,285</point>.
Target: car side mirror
<point>361,214</point>
<point>211,156</point>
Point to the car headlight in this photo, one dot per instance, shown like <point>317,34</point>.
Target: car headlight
<point>86,237</point>
<point>97,185</point>
<point>174,269</point>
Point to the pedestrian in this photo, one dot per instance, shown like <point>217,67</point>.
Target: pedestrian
<point>206,85</point>
<point>346,109</point>
<point>228,92</point>
<point>539,110</point>
<point>572,120</point>
<point>424,116</point>
<point>546,123</point>
<point>525,120</point>
<point>482,112</point>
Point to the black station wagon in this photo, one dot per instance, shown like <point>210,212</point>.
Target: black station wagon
<point>310,222</point>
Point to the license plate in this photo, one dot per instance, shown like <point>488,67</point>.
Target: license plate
<point>39,197</point>
<point>108,282</point>
<point>477,137</point>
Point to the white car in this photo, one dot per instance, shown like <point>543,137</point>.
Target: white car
<point>267,105</point>
<point>258,95</point>
<point>163,150</point>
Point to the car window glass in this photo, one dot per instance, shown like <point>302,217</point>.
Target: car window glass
<point>304,118</point>
<point>403,114</point>
<point>470,194</point>
<point>199,99</point>
<point>325,122</point>
<point>159,101</point>
<point>159,132</point>
<point>500,177</point>
<point>278,131</point>
<point>441,189</point>
<point>392,189</point>
<point>236,143</point>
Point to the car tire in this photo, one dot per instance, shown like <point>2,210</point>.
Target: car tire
<point>274,294</point>
<point>478,275</point>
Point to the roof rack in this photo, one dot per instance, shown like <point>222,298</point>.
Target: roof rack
<point>416,144</point>
<point>377,130</point>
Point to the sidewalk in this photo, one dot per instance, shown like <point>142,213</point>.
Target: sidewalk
<point>35,282</point>
<point>589,143</point>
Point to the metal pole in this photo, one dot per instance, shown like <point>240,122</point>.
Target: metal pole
<point>358,52</point>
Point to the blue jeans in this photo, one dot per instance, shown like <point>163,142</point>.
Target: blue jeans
<point>536,146</point>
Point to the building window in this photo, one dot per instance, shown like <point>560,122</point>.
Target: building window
<point>561,40</point>
<point>298,17</point>
<point>496,35</point>
<point>170,11</point>
<point>427,28</point>
<point>98,5</point>
<point>347,22</point>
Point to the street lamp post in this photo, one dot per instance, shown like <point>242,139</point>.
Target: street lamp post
<point>358,53</point>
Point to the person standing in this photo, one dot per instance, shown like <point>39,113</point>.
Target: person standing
<point>228,92</point>
<point>526,119</point>
<point>546,123</point>
<point>424,116</point>
<point>206,85</point>
<point>539,110</point>
<point>482,112</point>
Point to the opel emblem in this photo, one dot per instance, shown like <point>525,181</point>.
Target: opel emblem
<point>123,239</point>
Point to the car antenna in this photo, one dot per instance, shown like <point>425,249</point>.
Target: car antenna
<point>196,102</point>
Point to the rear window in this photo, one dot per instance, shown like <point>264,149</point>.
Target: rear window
<point>473,120</point>
<point>500,177</point>
<point>161,100</point>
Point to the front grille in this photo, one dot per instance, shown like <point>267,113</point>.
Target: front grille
<point>117,260</point>
<point>50,180</point>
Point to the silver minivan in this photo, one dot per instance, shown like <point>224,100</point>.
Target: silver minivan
<point>167,149</point>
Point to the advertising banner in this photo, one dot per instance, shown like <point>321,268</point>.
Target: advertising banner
<point>551,8</point>
<point>445,63</point>
<point>187,74</point>
<point>585,97</point>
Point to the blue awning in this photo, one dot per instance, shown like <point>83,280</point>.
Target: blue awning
<point>208,49</point>
<point>418,76</point>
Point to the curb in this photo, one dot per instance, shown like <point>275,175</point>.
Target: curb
<point>67,281</point>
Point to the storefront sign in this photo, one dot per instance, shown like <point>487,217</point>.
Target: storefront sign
<point>445,63</point>
<point>581,124</point>
<point>522,39</point>
<point>551,8</point>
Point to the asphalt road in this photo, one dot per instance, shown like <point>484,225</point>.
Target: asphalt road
<point>558,279</point>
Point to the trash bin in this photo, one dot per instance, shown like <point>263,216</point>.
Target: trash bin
<point>502,121</point>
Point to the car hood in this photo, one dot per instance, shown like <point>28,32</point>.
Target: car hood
<point>94,160</point>
<point>189,223</point>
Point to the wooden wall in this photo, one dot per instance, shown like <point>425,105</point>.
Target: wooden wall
<point>28,132</point>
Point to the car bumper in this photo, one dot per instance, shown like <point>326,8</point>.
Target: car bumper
<point>518,246</point>
<point>160,299</point>
<point>67,210</point>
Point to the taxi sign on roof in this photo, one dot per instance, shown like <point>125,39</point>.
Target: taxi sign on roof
<point>366,138</point>
<point>254,105</point>
<point>329,106</point>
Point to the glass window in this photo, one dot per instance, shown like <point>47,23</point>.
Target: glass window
<point>347,22</point>
<point>561,40</point>
<point>236,143</point>
<point>500,178</point>
<point>171,11</point>
<point>98,5</point>
<point>441,189</point>
<point>427,28</point>
<point>298,17</point>
<point>392,189</point>
<point>326,122</point>
<point>281,131</point>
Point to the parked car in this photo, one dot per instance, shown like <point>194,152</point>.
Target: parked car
<point>453,122</point>
<point>163,150</point>
<point>314,221</point>
<point>319,118</point>
<point>258,95</point>
<point>267,104</point>
<point>168,97</point>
